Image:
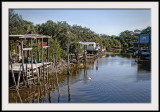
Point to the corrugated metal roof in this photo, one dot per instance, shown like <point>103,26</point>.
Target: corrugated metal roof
<point>28,36</point>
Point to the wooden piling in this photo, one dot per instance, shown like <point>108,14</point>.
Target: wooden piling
<point>17,87</point>
<point>42,59</point>
<point>48,50</point>
<point>26,76</point>
<point>37,51</point>
<point>22,54</point>
<point>22,61</point>
<point>32,62</point>
<point>38,77</point>
<point>13,77</point>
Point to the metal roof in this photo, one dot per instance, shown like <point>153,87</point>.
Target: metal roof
<point>87,42</point>
<point>28,36</point>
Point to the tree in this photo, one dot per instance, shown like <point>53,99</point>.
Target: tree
<point>146,30</point>
<point>137,31</point>
<point>19,26</point>
<point>15,23</point>
<point>76,49</point>
<point>56,50</point>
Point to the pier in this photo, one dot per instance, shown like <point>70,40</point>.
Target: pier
<point>23,67</point>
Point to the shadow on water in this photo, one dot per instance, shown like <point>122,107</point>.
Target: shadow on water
<point>58,88</point>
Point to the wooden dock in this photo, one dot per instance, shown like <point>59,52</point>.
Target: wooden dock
<point>16,66</point>
<point>40,72</point>
<point>28,70</point>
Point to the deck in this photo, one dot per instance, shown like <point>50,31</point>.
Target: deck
<point>16,66</point>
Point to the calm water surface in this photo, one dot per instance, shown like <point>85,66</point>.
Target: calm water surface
<point>115,79</point>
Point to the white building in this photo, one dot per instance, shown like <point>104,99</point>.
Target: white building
<point>89,46</point>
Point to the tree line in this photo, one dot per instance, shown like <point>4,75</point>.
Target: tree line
<point>62,33</point>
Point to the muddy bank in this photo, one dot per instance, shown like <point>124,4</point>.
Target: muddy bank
<point>62,66</point>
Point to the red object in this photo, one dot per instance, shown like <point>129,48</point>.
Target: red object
<point>44,44</point>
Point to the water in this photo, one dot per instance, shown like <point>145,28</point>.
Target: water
<point>115,79</point>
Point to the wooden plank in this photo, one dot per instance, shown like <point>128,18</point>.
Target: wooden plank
<point>17,65</point>
<point>46,46</point>
<point>26,49</point>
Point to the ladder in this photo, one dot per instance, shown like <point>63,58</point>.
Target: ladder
<point>29,77</point>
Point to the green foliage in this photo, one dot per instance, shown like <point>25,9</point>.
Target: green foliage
<point>56,50</point>
<point>146,30</point>
<point>75,48</point>
<point>19,26</point>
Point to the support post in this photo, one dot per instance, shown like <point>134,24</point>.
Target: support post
<point>48,50</point>
<point>27,76</point>
<point>48,58</point>
<point>37,51</point>
<point>22,61</point>
<point>19,75</point>
<point>22,54</point>
<point>42,58</point>
<point>32,62</point>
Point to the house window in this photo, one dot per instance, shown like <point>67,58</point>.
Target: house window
<point>90,44</point>
<point>144,38</point>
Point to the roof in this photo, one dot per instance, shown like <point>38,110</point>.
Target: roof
<point>87,42</point>
<point>28,36</point>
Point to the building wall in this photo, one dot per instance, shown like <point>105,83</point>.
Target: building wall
<point>144,39</point>
<point>89,45</point>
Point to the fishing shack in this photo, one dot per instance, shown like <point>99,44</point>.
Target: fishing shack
<point>23,64</point>
<point>89,46</point>
<point>143,46</point>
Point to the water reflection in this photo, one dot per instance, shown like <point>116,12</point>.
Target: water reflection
<point>69,98</point>
<point>85,73</point>
<point>57,85</point>
<point>116,78</point>
<point>97,65</point>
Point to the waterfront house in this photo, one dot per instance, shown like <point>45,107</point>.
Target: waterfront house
<point>143,46</point>
<point>88,46</point>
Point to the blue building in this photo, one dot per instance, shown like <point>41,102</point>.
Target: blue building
<point>144,42</point>
<point>143,46</point>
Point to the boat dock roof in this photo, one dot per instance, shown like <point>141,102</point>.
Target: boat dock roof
<point>28,36</point>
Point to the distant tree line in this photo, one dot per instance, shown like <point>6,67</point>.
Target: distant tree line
<point>62,33</point>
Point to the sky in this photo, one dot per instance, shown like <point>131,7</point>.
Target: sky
<point>109,22</point>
